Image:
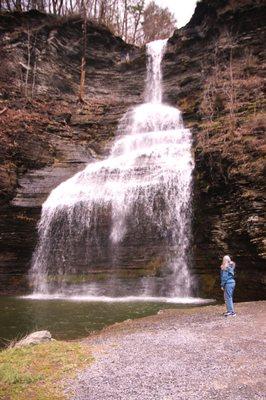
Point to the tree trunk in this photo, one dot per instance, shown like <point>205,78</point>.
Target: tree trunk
<point>18,5</point>
<point>83,58</point>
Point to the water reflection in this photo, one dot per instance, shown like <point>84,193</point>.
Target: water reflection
<point>69,319</point>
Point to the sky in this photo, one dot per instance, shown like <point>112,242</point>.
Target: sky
<point>183,9</point>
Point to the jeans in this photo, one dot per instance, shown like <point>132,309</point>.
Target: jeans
<point>228,296</point>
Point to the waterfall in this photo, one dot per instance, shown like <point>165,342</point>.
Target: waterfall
<point>130,210</point>
<point>155,51</point>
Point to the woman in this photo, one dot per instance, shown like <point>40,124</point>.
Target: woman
<point>228,284</point>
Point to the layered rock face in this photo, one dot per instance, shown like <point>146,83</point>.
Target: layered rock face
<point>213,70</point>
<point>46,135</point>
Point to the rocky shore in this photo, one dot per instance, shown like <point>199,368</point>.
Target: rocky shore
<point>194,354</point>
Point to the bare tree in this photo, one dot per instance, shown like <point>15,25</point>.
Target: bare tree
<point>159,23</point>
<point>83,58</point>
<point>137,12</point>
<point>18,6</point>
<point>126,18</point>
<point>220,91</point>
<point>28,67</point>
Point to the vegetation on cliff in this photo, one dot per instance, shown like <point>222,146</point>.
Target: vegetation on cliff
<point>135,21</point>
<point>214,72</point>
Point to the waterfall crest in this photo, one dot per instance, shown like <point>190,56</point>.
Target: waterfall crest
<point>133,204</point>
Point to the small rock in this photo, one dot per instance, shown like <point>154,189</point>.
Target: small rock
<point>35,338</point>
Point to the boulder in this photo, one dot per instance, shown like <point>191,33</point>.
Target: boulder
<point>35,338</point>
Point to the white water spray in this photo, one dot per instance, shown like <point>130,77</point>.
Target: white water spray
<point>133,206</point>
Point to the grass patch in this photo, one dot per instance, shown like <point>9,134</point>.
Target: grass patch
<point>37,372</point>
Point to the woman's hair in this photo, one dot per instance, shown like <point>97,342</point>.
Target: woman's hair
<point>226,262</point>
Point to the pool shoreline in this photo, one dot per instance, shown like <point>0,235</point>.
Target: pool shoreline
<point>74,319</point>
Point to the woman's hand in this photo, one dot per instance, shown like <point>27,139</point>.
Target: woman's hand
<point>222,288</point>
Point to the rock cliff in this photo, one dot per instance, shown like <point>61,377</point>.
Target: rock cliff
<point>46,135</point>
<point>213,70</point>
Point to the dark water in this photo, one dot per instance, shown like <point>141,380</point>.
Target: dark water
<point>68,319</point>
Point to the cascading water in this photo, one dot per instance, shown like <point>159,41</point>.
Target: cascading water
<point>132,207</point>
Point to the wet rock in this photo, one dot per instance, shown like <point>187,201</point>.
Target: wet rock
<point>48,137</point>
<point>228,176</point>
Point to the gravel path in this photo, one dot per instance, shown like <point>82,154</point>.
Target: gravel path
<point>187,354</point>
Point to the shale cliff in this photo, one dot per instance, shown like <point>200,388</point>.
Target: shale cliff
<point>212,70</point>
<point>46,135</point>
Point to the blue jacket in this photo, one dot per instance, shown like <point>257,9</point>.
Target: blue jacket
<point>227,275</point>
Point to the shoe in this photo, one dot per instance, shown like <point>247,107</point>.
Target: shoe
<point>229,314</point>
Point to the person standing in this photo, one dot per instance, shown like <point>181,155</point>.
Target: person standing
<point>228,284</point>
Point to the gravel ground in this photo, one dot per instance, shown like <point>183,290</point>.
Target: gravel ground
<point>179,354</point>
